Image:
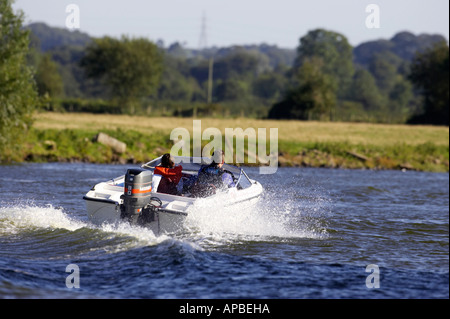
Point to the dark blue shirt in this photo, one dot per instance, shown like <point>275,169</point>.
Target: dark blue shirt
<point>211,171</point>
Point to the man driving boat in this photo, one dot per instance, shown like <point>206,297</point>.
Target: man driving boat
<point>214,172</point>
<point>212,177</point>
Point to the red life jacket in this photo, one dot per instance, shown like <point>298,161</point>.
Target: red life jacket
<point>173,174</point>
<point>169,180</point>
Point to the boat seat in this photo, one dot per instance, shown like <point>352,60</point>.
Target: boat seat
<point>155,182</point>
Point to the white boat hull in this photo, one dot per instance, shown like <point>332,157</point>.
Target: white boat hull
<point>103,204</point>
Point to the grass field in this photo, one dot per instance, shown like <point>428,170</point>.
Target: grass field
<point>289,131</point>
<point>68,136</point>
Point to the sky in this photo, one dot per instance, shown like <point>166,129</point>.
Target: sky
<point>239,22</point>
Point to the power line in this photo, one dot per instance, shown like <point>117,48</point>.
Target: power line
<point>203,42</point>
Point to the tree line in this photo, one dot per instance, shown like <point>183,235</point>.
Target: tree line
<point>325,78</point>
<point>327,84</point>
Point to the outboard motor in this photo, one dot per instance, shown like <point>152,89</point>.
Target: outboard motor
<point>137,194</point>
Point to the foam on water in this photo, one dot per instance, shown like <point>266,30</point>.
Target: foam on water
<point>141,236</point>
<point>15,218</point>
<point>20,218</point>
<point>214,220</point>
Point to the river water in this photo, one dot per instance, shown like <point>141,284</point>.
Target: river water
<point>316,233</point>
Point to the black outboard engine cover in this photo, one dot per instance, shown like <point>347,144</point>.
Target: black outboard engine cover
<point>137,193</point>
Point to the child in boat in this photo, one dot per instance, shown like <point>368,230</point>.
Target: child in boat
<point>170,173</point>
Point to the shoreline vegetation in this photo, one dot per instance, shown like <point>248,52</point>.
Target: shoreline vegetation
<point>71,137</point>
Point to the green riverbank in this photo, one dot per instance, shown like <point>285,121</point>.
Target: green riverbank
<point>79,145</point>
<point>70,137</point>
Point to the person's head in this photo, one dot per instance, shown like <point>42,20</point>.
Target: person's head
<point>167,161</point>
<point>218,158</point>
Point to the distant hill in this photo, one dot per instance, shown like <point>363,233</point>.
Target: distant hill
<point>269,55</point>
<point>48,38</point>
<point>404,44</point>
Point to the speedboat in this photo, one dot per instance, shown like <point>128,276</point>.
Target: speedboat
<point>133,197</point>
